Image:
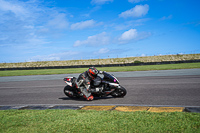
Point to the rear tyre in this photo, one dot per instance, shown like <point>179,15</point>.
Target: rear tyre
<point>121,92</point>
<point>68,91</point>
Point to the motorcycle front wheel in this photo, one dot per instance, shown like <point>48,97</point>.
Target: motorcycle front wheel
<point>119,92</point>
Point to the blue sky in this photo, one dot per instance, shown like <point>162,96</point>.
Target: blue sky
<point>48,30</point>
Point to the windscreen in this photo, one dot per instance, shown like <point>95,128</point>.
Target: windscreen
<point>109,77</point>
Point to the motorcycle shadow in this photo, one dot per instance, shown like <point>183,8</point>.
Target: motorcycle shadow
<point>83,99</point>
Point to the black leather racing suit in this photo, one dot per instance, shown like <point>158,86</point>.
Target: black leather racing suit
<point>83,83</point>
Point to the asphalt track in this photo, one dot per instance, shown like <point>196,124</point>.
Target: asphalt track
<point>173,88</point>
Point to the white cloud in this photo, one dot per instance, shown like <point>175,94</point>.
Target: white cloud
<point>100,2</point>
<point>83,25</point>
<point>78,43</point>
<point>44,58</point>
<point>59,21</point>
<point>165,18</point>
<point>132,23</point>
<point>142,20</point>
<point>135,1</point>
<point>137,11</point>
<point>99,39</point>
<point>26,23</point>
<point>132,35</point>
<point>103,50</point>
<point>14,7</point>
<point>56,56</point>
<point>129,35</point>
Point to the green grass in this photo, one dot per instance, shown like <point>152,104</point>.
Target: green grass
<point>108,69</point>
<point>74,121</point>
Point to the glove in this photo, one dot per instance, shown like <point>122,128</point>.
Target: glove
<point>100,72</point>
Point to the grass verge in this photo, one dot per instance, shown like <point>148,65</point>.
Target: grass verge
<point>160,58</point>
<point>108,69</point>
<point>97,121</point>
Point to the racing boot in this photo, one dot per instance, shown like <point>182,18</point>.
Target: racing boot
<point>90,98</point>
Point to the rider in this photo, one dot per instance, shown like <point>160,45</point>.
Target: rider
<point>84,80</point>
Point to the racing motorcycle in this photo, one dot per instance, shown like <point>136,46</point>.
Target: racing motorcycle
<point>101,87</point>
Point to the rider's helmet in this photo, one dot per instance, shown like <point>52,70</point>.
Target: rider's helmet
<point>92,72</point>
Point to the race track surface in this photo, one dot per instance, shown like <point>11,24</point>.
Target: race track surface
<point>167,87</point>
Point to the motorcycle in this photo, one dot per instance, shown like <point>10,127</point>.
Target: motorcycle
<point>101,87</point>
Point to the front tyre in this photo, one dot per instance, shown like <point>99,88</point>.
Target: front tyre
<point>120,92</point>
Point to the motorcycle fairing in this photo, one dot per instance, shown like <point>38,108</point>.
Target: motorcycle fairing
<point>108,77</point>
<point>68,80</point>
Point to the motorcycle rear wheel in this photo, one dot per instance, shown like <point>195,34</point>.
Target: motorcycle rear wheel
<point>121,92</point>
<point>68,89</point>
